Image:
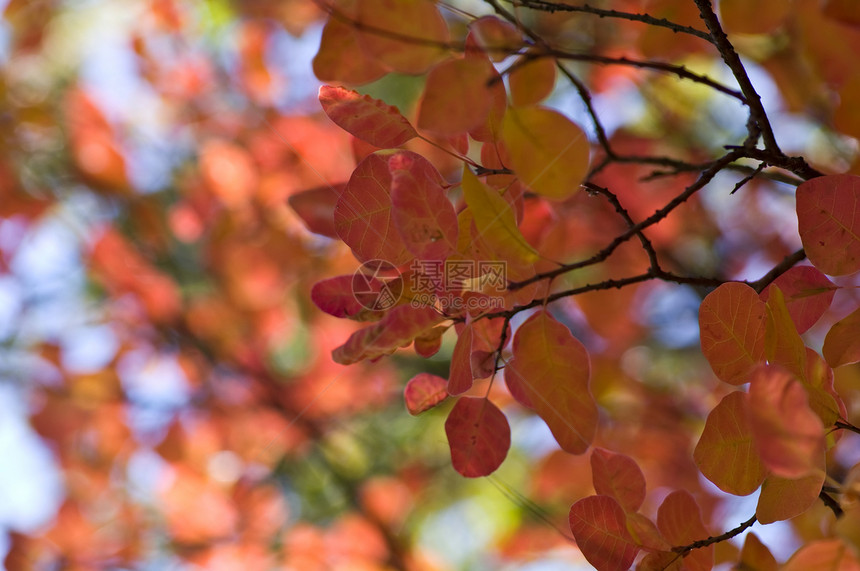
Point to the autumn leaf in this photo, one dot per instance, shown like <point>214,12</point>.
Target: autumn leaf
<point>532,79</point>
<point>829,222</point>
<point>423,392</point>
<point>547,151</point>
<point>784,498</point>
<point>479,436</point>
<point>363,217</point>
<point>316,206</point>
<point>460,376</point>
<point>619,477</point>
<point>555,370</point>
<point>842,343</point>
<point>456,96</point>
<point>726,454</point>
<point>783,344</point>
<point>808,293</point>
<point>679,519</point>
<point>367,118</point>
<point>496,37</point>
<point>399,327</point>
<point>789,436</point>
<point>495,221</point>
<point>599,526</point>
<point>335,296</point>
<point>732,321</point>
<point>756,555</point>
<point>340,59</point>
<point>407,36</point>
<point>823,555</point>
<point>422,213</point>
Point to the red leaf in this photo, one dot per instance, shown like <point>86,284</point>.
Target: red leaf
<point>429,344</point>
<point>496,37</point>
<point>783,498</point>
<point>828,220</point>
<point>618,476</point>
<point>599,526</point>
<point>808,293</point>
<point>732,324</point>
<point>363,217</point>
<point>399,327</point>
<point>789,436</point>
<point>680,521</point>
<point>423,392</point>
<point>367,118</point>
<point>516,384</point>
<point>823,555</point>
<point>479,436</point>
<point>340,59</point>
<point>335,297</point>
<point>316,208</point>
<point>460,375</point>
<point>422,212</point>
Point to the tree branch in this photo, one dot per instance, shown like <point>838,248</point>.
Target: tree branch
<point>712,540</point>
<point>733,61</point>
<point>551,7</point>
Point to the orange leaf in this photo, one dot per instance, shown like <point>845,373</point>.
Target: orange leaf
<point>516,384</point>
<point>479,436</point>
<point>789,436</point>
<point>555,369</point>
<point>823,555</point>
<point>842,343</point>
<point>399,327</point>
<point>732,324</point>
<point>618,476</point>
<point>756,555</point>
<point>407,36</point>
<point>828,220</point>
<point>725,453</point>
<point>422,212</point>
<point>367,118</point>
<point>363,218</point>
<point>339,58</point>
<point>547,151</point>
<point>457,96</point>
<point>532,80</point>
<point>599,526</point>
<point>496,37</point>
<point>680,521</point>
<point>783,499</point>
<point>423,392</point>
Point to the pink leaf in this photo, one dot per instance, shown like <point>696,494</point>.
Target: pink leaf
<point>367,118</point>
<point>423,392</point>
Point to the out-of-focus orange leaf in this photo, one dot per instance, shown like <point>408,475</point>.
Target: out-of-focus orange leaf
<point>532,79</point>
<point>823,555</point>
<point>756,555</point>
<point>316,206</point>
<point>680,521</point>
<point>742,17</point>
<point>788,435</point>
<point>340,59</point>
<point>456,97</point>
<point>618,476</point>
<point>407,36</point>
<point>229,172</point>
<point>497,37</point>
<point>195,509</point>
<point>842,343</point>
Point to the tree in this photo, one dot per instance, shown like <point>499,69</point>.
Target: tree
<point>521,207</point>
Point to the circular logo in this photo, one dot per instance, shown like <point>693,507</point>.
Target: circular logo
<point>377,285</point>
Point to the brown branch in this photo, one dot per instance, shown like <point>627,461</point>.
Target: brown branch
<point>786,264</point>
<point>846,426</point>
<point>551,7</point>
<point>733,61</point>
<point>717,539</point>
<point>704,178</point>
<point>831,503</point>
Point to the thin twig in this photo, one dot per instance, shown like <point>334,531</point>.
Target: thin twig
<point>717,539</point>
<point>545,6</point>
